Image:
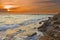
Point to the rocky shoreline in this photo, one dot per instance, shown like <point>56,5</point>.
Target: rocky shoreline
<point>51,28</point>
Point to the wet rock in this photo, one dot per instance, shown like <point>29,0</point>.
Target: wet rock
<point>33,34</point>
<point>51,28</point>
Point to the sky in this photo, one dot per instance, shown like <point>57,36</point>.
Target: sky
<point>34,5</point>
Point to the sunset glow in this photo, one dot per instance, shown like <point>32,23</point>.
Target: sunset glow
<point>31,6</point>
<point>8,6</point>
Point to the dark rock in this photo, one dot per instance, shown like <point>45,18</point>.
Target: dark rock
<point>51,28</point>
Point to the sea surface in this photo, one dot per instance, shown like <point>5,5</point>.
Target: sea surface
<point>14,21</point>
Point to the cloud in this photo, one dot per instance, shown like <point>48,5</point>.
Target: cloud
<point>31,2</point>
<point>43,4</point>
<point>47,1</point>
<point>31,5</point>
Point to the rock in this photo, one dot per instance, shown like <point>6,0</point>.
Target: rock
<point>51,28</point>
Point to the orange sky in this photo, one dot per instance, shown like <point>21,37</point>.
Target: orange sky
<point>32,6</point>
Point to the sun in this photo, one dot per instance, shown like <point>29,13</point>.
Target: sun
<point>8,7</point>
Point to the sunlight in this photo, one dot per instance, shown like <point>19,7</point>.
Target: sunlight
<point>8,7</point>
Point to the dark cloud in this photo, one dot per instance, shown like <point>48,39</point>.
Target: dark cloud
<point>49,1</point>
<point>56,1</point>
<point>3,10</point>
